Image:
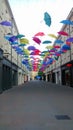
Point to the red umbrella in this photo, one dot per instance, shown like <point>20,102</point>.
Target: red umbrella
<point>63,33</point>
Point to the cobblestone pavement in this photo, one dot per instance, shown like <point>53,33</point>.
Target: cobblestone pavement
<point>37,105</point>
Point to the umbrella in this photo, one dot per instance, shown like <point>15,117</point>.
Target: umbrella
<point>68,22</point>
<point>58,41</point>
<point>47,18</point>
<point>52,35</point>
<point>24,40</point>
<point>6,23</point>
<point>46,42</point>
<point>37,40</point>
<point>56,46</point>
<point>65,47</point>
<point>13,39</point>
<point>39,34</point>
<point>63,33</point>
<point>20,36</point>
<point>31,48</point>
<point>69,39</point>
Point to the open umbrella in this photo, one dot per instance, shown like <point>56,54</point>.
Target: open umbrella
<point>31,48</point>
<point>46,42</point>
<point>24,40</point>
<point>37,40</point>
<point>39,34</point>
<point>6,23</point>
<point>68,22</point>
<point>52,35</point>
<point>69,39</point>
<point>58,41</point>
<point>63,33</point>
<point>47,19</point>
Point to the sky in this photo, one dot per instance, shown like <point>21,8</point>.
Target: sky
<point>29,16</point>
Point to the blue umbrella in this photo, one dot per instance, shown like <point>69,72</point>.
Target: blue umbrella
<point>58,41</point>
<point>47,19</point>
<point>67,22</point>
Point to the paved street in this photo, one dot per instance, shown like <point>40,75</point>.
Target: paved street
<point>37,105</point>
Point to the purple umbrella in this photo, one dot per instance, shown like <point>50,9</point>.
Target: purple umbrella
<point>31,48</point>
<point>69,39</point>
<point>6,23</point>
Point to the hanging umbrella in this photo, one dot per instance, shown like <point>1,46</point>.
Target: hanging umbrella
<point>56,46</point>
<point>46,42</point>
<point>63,33</point>
<point>65,47</point>
<point>37,40</point>
<point>6,23</point>
<point>58,41</point>
<point>31,48</point>
<point>39,34</point>
<point>52,35</point>
<point>47,19</point>
<point>24,40</point>
<point>13,39</point>
<point>20,36</point>
<point>69,39</point>
<point>68,22</point>
<point>49,47</point>
<point>22,45</point>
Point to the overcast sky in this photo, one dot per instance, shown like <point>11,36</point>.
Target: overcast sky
<point>29,15</point>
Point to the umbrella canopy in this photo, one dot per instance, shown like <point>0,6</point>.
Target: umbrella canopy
<point>52,35</point>
<point>39,34</point>
<point>6,23</point>
<point>20,36</point>
<point>47,19</point>
<point>63,33</point>
<point>69,39</point>
<point>58,41</point>
<point>24,40</point>
<point>46,42</point>
<point>13,39</point>
<point>68,22</point>
<point>65,47</point>
<point>37,40</point>
<point>56,46</point>
<point>31,48</point>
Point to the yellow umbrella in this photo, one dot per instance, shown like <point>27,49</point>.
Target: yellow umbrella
<point>52,35</point>
<point>26,52</point>
<point>49,47</point>
<point>24,41</point>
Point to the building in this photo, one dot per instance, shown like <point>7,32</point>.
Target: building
<point>12,71</point>
<point>61,71</point>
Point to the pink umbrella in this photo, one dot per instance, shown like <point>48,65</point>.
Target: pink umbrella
<point>63,33</point>
<point>37,40</point>
<point>39,34</point>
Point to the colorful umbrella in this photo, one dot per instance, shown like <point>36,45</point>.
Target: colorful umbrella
<point>13,39</point>
<point>39,34</point>
<point>46,42</point>
<point>6,23</point>
<point>52,35</point>
<point>58,41</point>
<point>24,40</point>
<point>20,36</point>
<point>56,46</point>
<point>68,22</point>
<point>37,40</point>
<point>65,47</point>
<point>31,48</point>
<point>63,33</point>
<point>69,39</point>
<point>47,19</point>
